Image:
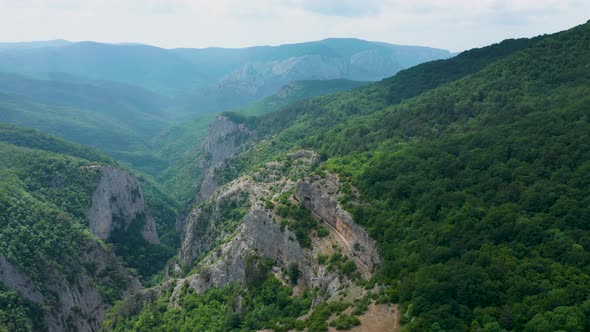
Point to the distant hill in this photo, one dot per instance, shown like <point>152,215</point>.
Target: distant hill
<point>214,79</point>
<point>109,116</point>
<point>34,44</point>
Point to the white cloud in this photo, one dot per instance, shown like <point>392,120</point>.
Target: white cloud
<point>451,24</point>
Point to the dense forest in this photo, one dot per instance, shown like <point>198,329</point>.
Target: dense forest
<point>45,194</point>
<point>476,189</point>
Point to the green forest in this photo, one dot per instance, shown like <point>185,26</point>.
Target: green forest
<point>476,188</point>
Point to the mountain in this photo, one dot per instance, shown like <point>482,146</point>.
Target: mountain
<point>35,44</point>
<point>72,223</point>
<point>214,79</point>
<point>145,66</point>
<point>452,196</point>
<point>261,71</point>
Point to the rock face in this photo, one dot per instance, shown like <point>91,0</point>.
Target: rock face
<point>117,202</point>
<point>221,248</point>
<point>69,306</point>
<point>320,197</point>
<point>224,141</point>
<point>362,62</point>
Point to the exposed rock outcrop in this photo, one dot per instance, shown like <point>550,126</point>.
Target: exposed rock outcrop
<point>67,305</point>
<point>223,141</point>
<point>219,249</point>
<point>320,196</point>
<point>117,202</point>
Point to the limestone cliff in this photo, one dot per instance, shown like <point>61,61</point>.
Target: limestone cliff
<point>218,245</point>
<point>320,196</point>
<point>223,141</point>
<point>117,202</point>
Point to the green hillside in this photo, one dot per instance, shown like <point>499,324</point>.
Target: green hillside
<point>296,91</point>
<point>117,119</point>
<point>43,178</point>
<point>43,229</point>
<point>473,175</point>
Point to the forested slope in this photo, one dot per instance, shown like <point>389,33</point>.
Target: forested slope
<point>48,254</point>
<point>476,189</point>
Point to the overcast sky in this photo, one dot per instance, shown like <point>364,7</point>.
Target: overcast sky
<point>450,24</point>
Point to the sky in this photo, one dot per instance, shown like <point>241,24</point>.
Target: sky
<point>455,25</point>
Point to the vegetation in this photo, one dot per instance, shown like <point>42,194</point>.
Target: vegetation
<point>299,220</point>
<point>45,195</point>
<point>296,91</point>
<point>474,184</point>
<point>345,322</point>
<point>18,315</point>
<point>268,304</point>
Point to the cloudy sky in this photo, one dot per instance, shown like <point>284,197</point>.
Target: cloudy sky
<point>450,24</point>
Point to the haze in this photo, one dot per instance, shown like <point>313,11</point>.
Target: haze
<point>455,25</point>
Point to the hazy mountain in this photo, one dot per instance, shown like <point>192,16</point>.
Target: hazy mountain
<point>110,116</point>
<point>34,44</point>
<point>215,79</point>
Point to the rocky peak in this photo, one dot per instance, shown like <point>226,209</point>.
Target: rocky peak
<point>117,202</point>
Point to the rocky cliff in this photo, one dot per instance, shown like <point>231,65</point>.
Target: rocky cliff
<point>223,141</point>
<point>117,202</point>
<point>73,301</point>
<point>320,196</point>
<point>76,287</point>
<point>242,220</point>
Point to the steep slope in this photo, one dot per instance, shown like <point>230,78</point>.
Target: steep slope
<point>52,263</point>
<point>471,174</point>
<point>179,143</point>
<point>255,236</point>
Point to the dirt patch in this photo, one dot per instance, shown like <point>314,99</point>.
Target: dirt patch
<point>378,318</point>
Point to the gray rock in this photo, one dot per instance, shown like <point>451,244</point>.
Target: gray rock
<point>320,197</point>
<point>118,201</point>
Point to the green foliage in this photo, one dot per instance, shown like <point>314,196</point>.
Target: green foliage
<point>266,305</point>
<point>322,232</point>
<point>293,273</point>
<point>473,179</point>
<point>19,315</point>
<point>146,258</point>
<point>345,322</point>
<point>318,320</point>
<point>299,220</point>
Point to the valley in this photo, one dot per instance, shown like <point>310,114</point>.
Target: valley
<point>332,185</point>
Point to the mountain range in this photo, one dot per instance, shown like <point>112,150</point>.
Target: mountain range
<point>212,79</point>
